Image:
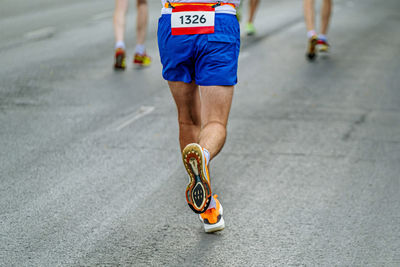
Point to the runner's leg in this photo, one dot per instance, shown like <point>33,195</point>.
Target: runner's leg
<point>142,19</point>
<point>187,99</point>
<point>253,4</point>
<point>250,29</point>
<point>141,58</point>
<point>309,17</point>
<point>211,114</point>
<point>309,14</point>
<point>215,106</point>
<point>325,16</point>
<point>121,7</point>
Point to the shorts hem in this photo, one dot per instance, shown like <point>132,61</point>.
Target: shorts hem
<point>215,84</point>
<point>177,80</point>
<point>201,83</point>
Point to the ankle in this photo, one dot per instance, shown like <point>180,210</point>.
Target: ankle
<point>213,204</point>
<point>206,155</point>
<point>323,37</point>
<point>140,49</point>
<point>311,33</point>
<point>120,44</point>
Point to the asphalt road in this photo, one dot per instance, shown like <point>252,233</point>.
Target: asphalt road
<point>90,171</point>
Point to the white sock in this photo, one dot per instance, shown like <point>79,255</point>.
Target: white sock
<point>140,49</point>
<point>213,204</point>
<point>322,37</point>
<point>207,155</point>
<point>311,33</point>
<point>120,44</point>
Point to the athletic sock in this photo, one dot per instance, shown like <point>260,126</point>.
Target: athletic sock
<point>323,37</point>
<point>311,34</point>
<point>120,44</point>
<point>140,49</point>
<point>207,155</point>
<point>213,204</point>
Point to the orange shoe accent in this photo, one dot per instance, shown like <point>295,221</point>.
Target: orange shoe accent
<point>211,215</point>
<point>212,219</point>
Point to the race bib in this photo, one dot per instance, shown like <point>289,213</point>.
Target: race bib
<point>192,19</point>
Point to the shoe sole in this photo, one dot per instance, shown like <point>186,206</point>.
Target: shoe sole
<point>311,54</point>
<point>198,191</point>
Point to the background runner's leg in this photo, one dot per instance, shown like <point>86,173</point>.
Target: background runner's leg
<point>325,15</point>
<point>121,6</point>
<point>215,106</point>
<point>253,4</point>
<point>187,99</point>
<point>141,24</point>
<point>309,14</point>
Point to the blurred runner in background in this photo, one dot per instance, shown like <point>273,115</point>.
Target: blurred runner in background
<point>140,57</point>
<point>317,42</point>
<point>250,29</point>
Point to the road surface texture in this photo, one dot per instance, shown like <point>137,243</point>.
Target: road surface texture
<point>90,168</point>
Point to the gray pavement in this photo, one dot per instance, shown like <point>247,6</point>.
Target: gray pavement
<point>90,172</point>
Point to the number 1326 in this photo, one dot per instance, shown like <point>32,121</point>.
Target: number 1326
<point>193,19</point>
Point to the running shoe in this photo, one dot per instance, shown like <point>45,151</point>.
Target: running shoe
<point>141,60</point>
<point>311,50</point>
<point>323,46</point>
<point>250,29</point>
<point>198,191</point>
<point>212,218</point>
<point>120,59</point>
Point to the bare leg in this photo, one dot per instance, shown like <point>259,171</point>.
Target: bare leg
<point>253,4</point>
<point>202,119</point>
<point>142,18</point>
<point>215,106</point>
<point>325,15</point>
<point>121,6</point>
<point>309,14</point>
<point>187,99</point>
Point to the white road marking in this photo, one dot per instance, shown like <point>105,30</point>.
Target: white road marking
<point>40,34</point>
<point>143,111</point>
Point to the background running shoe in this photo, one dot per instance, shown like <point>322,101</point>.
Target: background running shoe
<point>311,50</point>
<point>141,60</point>
<point>120,59</point>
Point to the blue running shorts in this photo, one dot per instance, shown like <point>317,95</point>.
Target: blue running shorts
<point>207,59</point>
